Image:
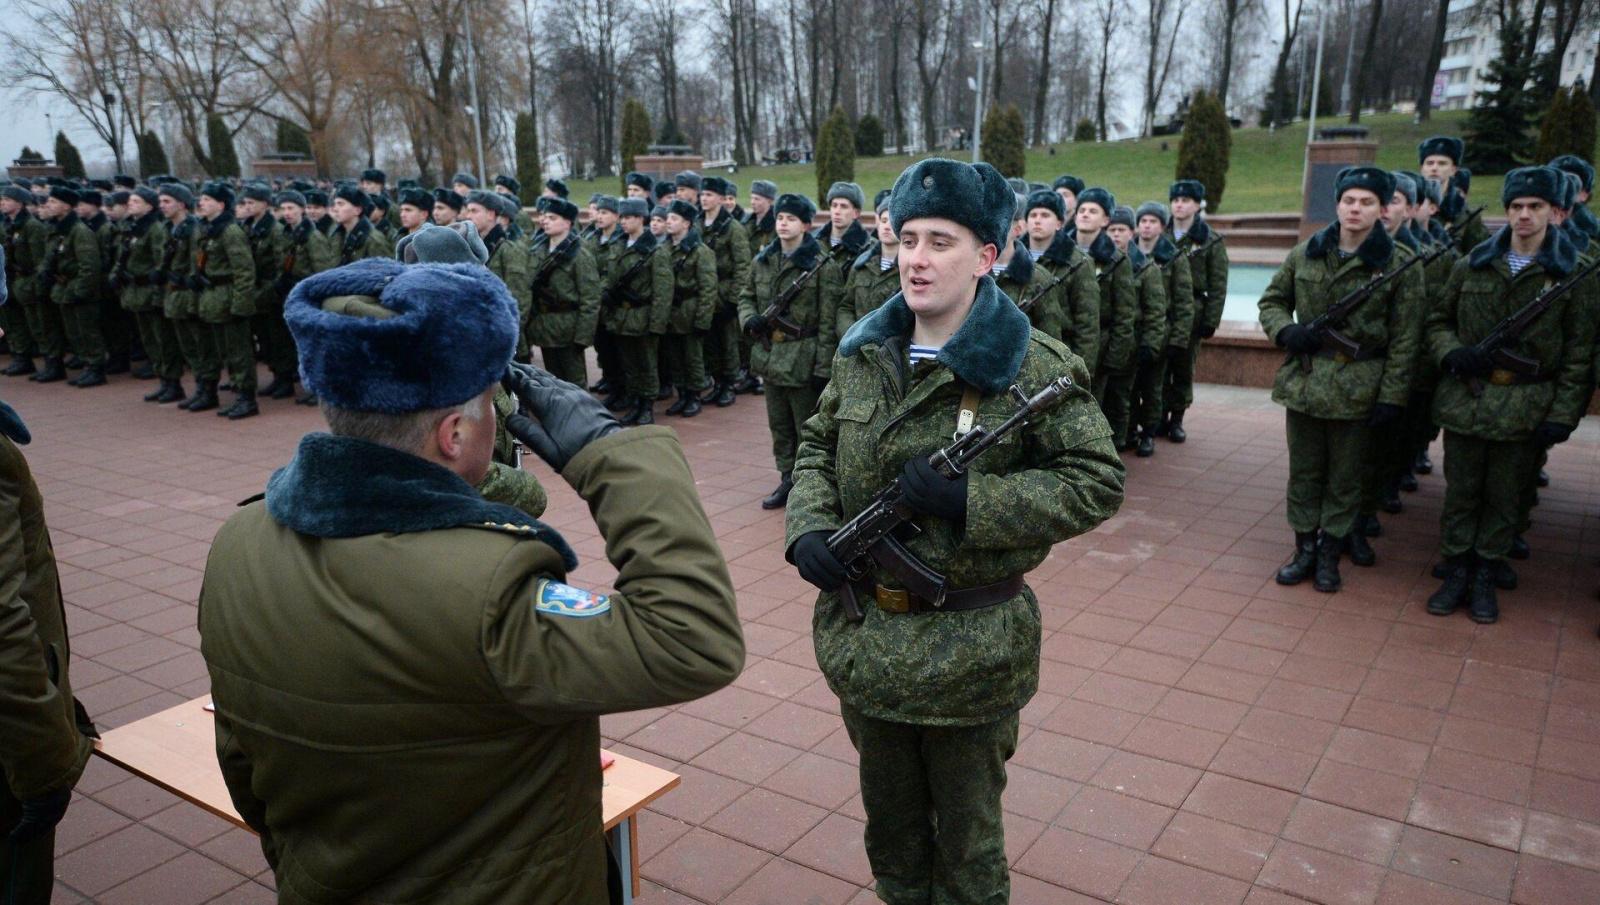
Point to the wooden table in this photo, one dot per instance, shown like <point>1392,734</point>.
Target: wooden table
<point>177,750</point>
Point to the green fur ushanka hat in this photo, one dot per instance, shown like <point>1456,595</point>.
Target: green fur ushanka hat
<point>1405,185</point>
<point>797,206</point>
<point>1187,188</point>
<point>1442,145</point>
<point>1533,182</point>
<point>1050,200</point>
<point>1098,196</point>
<point>1378,182</point>
<point>974,195</point>
<point>1071,183</point>
<point>1577,166</point>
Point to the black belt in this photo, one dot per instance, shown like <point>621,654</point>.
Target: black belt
<point>1365,354</point>
<point>223,280</point>
<point>894,600</point>
<point>1504,377</point>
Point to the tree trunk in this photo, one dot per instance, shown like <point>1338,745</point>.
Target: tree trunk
<point>1435,56</point>
<point>897,119</point>
<point>1230,19</point>
<point>1108,24</point>
<point>1042,92</point>
<point>1358,93</point>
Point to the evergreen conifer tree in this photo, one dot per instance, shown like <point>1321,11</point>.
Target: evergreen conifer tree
<point>1206,146</point>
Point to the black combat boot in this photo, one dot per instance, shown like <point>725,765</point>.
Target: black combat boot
<point>1328,549</point>
<point>1390,501</point>
<point>617,400</point>
<point>1423,464</point>
<point>156,394</point>
<point>172,392</point>
<point>1408,482</point>
<point>1519,547</point>
<point>1369,525</point>
<point>746,382</point>
<point>725,395</point>
<point>53,371</point>
<point>1505,577</point>
<point>665,393</point>
<point>1146,447</point>
<point>20,366</point>
<point>92,376</point>
<point>306,398</point>
<point>676,408</point>
<point>1175,431</point>
<point>1458,574</point>
<point>116,363</point>
<point>1481,603</point>
<point>691,407</point>
<point>204,398</point>
<point>1164,426</point>
<point>777,498</point>
<point>73,363</point>
<point>643,412</point>
<point>243,407</point>
<point>1544,478</point>
<point>284,390</point>
<point>1304,561</point>
<point>1361,552</point>
<point>143,371</point>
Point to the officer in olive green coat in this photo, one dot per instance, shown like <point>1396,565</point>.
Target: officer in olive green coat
<point>873,277</point>
<point>565,293</point>
<point>794,351</point>
<point>25,239</point>
<point>1208,266</point>
<point>73,269</point>
<point>1499,415</point>
<point>224,281</point>
<point>1150,331</point>
<point>930,693</point>
<point>730,243</point>
<point>693,272</point>
<point>1077,295</point>
<point>1332,403</point>
<point>634,310</point>
<point>423,592</point>
<point>139,275</point>
<point>1152,219</point>
<point>45,737</point>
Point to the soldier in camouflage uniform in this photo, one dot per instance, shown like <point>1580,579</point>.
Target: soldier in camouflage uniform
<point>73,271</point>
<point>1024,282</point>
<point>1208,266</point>
<point>143,367</point>
<point>508,260</point>
<point>761,220</point>
<point>1439,158</point>
<point>842,238</point>
<point>353,237</point>
<point>139,274</point>
<point>1151,221</point>
<point>930,694</point>
<point>1420,429</point>
<point>1119,303</point>
<point>635,304</point>
<point>224,280</point>
<point>446,206</point>
<point>24,238</point>
<point>794,361</point>
<point>1068,188</point>
<point>602,244</point>
<point>302,251</point>
<point>873,277</point>
<point>1334,404</point>
<point>728,241</point>
<point>1077,296</point>
<point>694,304</point>
<point>565,295</point>
<point>1150,331</point>
<point>178,302</point>
<point>91,211</point>
<point>265,235</point>
<point>317,211</point>
<point>416,211</point>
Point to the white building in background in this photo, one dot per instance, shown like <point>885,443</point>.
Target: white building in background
<point>1471,41</point>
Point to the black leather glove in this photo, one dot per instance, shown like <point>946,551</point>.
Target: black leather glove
<point>40,815</point>
<point>1298,339</point>
<point>1550,433</point>
<point>1207,332</point>
<point>1145,356</point>
<point>1177,353</point>
<point>1383,414</point>
<point>283,284</point>
<point>1467,361</point>
<point>816,563</point>
<point>556,419</point>
<point>931,493</point>
<point>755,325</point>
<point>818,384</point>
<point>158,278</point>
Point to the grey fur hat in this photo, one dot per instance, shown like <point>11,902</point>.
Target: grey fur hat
<point>849,191</point>
<point>766,188</point>
<point>974,195</point>
<point>1153,209</point>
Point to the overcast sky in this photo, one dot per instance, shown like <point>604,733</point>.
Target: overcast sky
<point>23,122</point>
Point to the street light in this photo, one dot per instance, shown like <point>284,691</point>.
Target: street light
<point>977,102</point>
<point>472,85</point>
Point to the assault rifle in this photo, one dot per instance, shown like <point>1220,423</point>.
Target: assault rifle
<point>876,531</point>
<point>1455,230</point>
<point>548,266</point>
<point>1508,364</point>
<point>1044,290</point>
<point>1325,325</point>
<point>777,313</point>
<point>619,291</point>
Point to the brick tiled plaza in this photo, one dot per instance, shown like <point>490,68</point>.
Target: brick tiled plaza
<point>1201,735</point>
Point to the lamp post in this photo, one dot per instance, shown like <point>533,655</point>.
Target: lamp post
<point>977,102</point>
<point>472,85</point>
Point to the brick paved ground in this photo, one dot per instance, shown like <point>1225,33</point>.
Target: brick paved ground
<point>1201,735</point>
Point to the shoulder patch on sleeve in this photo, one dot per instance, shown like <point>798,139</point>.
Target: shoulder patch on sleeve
<point>556,599</point>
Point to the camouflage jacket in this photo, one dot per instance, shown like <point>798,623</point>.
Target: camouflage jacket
<point>25,240</point>
<point>72,262</point>
<point>1454,211</point>
<point>1119,305</point>
<point>509,261</point>
<point>762,231</point>
<point>1208,266</point>
<point>692,266</point>
<point>854,241</point>
<point>728,240</point>
<point>177,258</point>
<point>357,244</point>
<point>793,362</point>
<point>1057,478</point>
<point>1023,281</point>
<point>638,291</point>
<point>224,271</point>
<point>565,295</point>
<point>866,287</point>
<point>1078,297</point>
<point>1178,281</point>
<point>137,271</point>
<point>1479,294</point>
<point>302,251</point>
<point>264,234</point>
<point>1388,323</point>
<point>1152,293</point>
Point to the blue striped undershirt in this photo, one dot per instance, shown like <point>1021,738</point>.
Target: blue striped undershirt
<point>922,353</point>
<point>1516,262</point>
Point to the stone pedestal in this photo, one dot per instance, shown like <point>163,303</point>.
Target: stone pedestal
<point>284,166</point>
<point>1334,149</point>
<point>45,170</point>
<point>666,166</point>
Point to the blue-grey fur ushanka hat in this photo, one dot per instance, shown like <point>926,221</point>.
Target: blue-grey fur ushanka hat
<point>1100,197</point>
<point>1050,200</point>
<point>1442,145</point>
<point>974,195</point>
<point>1379,182</point>
<point>453,330</point>
<point>1533,182</point>
<point>1579,167</point>
<point>796,206</point>
<point>849,191</point>
<point>1193,189</point>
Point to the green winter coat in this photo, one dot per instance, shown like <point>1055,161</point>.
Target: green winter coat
<point>866,287</point>
<point>46,735</point>
<point>302,251</point>
<point>1479,294</point>
<point>691,284</point>
<point>1119,306</point>
<point>357,244</point>
<point>407,704</point>
<point>265,237</point>
<point>1454,212</point>
<point>1058,478</point>
<point>105,232</point>
<point>762,231</point>
<point>631,306</point>
<point>178,257</point>
<point>25,239</point>
<point>565,307</point>
<point>728,240</point>
<point>793,362</point>
<point>508,260</point>
<point>1151,332</point>
<point>72,263</point>
<point>1077,298</point>
<point>1313,278</point>
<point>1023,280</point>
<point>140,251</point>
<point>224,271</point>
<point>1208,267</point>
<point>854,241</point>
<point>1178,281</point>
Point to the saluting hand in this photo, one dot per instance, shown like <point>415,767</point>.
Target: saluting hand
<point>564,417</point>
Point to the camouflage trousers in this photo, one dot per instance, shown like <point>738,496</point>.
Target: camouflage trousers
<point>608,354</point>
<point>26,870</point>
<point>567,363</point>
<point>640,377</point>
<point>1326,463</point>
<point>1178,394</point>
<point>160,343</point>
<point>198,343</point>
<point>684,357</point>
<point>236,347</point>
<point>84,333</point>
<point>1485,482</point>
<point>787,409</point>
<point>932,797</point>
<point>721,345</point>
<point>1530,493</point>
<point>1388,456</point>
<point>1147,392</point>
<point>14,321</point>
<point>1115,392</point>
<point>278,351</point>
<point>44,322</point>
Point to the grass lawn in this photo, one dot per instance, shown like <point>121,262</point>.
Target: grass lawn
<point>1264,174</point>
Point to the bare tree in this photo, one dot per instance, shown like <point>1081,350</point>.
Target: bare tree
<point>1278,105</point>
<point>1231,10</point>
<point>1359,92</point>
<point>1110,18</point>
<point>1158,65</point>
<point>78,51</point>
<point>1041,89</point>
<point>1435,56</point>
<point>305,59</point>
<point>932,53</point>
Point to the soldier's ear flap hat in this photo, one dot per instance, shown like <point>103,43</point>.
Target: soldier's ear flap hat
<point>1378,182</point>
<point>91,197</point>
<point>688,179</point>
<point>290,196</point>
<point>715,184</point>
<point>317,197</point>
<point>118,197</point>
<point>1462,180</point>
<point>483,199</point>
<point>1570,185</point>
<point>1405,185</point>
<point>974,195</point>
<point>633,207</point>
<point>663,189</point>
<point>1071,183</point>
<point>1018,185</point>
<point>506,205</point>
<point>353,195</point>
<point>683,209</point>
<point>658,213</point>
<point>557,186</point>
<point>434,244</point>
<point>849,191</point>
<point>416,198</point>
<point>1187,188</point>
<point>766,188</point>
<point>1098,196</point>
<point>150,196</point>
<point>639,179</point>
<point>255,191</point>
<point>607,203</point>
<point>374,176</point>
<point>562,208</point>
<point>1123,214</point>
<point>1579,167</point>
<point>880,202</point>
<point>380,201</point>
<point>448,198</point>
<point>1442,145</point>
<point>178,192</point>
<point>1533,182</point>
<point>1153,209</point>
<point>798,206</point>
<point>1050,201</point>
<point>449,332</point>
<point>18,194</point>
<point>466,179</point>
<point>124,181</point>
<point>509,183</point>
<point>63,194</point>
<point>1020,209</point>
<point>219,190</point>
